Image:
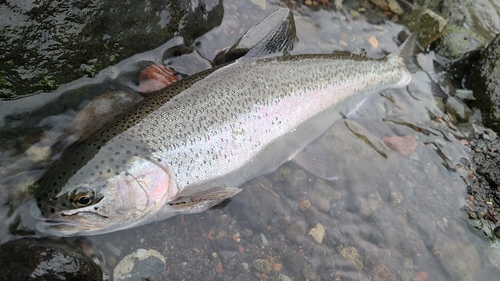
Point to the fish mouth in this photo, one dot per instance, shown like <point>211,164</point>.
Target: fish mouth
<point>74,224</point>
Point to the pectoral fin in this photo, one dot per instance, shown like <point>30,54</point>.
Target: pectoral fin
<point>203,200</point>
<point>315,160</point>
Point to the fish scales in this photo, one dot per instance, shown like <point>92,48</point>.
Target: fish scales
<point>178,151</point>
<point>257,102</point>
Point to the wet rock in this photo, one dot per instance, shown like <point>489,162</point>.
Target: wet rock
<point>100,34</point>
<point>484,80</point>
<point>296,232</point>
<point>428,24</point>
<point>402,144</point>
<point>282,173</point>
<point>376,237</point>
<point>139,265</point>
<point>296,184</point>
<point>459,258</point>
<point>255,204</point>
<point>352,255</point>
<point>337,207</point>
<point>457,41</point>
<point>317,233</point>
<point>308,272</point>
<point>353,203</point>
<point>283,277</point>
<point>99,110</point>
<point>369,205</point>
<point>388,5</point>
<point>227,255</point>
<point>481,17</point>
<point>321,203</point>
<point>155,77</point>
<point>40,260</point>
<point>395,198</point>
<point>243,277</point>
<point>383,273</point>
<point>262,265</point>
<point>312,215</point>
<point>393,237</point>
<point>324,190</point>
<point>292,260</point>
<point>463,94</point>
<point>304,205</point>
<point>458,109</point>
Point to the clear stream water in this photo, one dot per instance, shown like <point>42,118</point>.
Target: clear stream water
<point>392,214</point>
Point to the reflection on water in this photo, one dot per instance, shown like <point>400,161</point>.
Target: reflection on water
<point>391,214</point>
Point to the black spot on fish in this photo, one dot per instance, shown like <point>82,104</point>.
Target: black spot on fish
<point>102,161</point>
<point>39,205</point>
<point>124,161</point>
<point>64,173</point>
<point>96,167</point>
<point>52,210</point>
<point>100,173</point>
<point>111,159</point>
<point>108,170</point>
<point>128,152</point>
<point>117,173</point>
<point>117,153</point>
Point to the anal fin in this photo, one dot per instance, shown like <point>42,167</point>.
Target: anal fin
<point>314,159</point>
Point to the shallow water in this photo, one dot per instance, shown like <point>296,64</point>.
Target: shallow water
<point>392,214</point>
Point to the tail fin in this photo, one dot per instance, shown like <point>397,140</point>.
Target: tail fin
<point>406,53</point>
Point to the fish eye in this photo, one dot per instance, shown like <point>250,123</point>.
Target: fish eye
<point>81,196</point>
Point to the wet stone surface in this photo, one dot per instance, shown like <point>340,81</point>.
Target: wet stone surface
<point>483,79</point>
<point>45,260</point>
<point>90,36</point>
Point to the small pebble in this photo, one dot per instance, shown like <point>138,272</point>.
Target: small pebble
<point>373,41</point>
<point>262,265</point>
<point>304,204</point>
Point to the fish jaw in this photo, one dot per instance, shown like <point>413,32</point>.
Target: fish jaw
<point>124,201</point>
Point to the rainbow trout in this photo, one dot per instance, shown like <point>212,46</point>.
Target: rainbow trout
<point>192,145</point>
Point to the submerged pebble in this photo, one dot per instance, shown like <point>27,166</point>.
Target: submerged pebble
<point>139,265</point>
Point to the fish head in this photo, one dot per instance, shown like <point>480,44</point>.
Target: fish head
<point>105,194</point>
